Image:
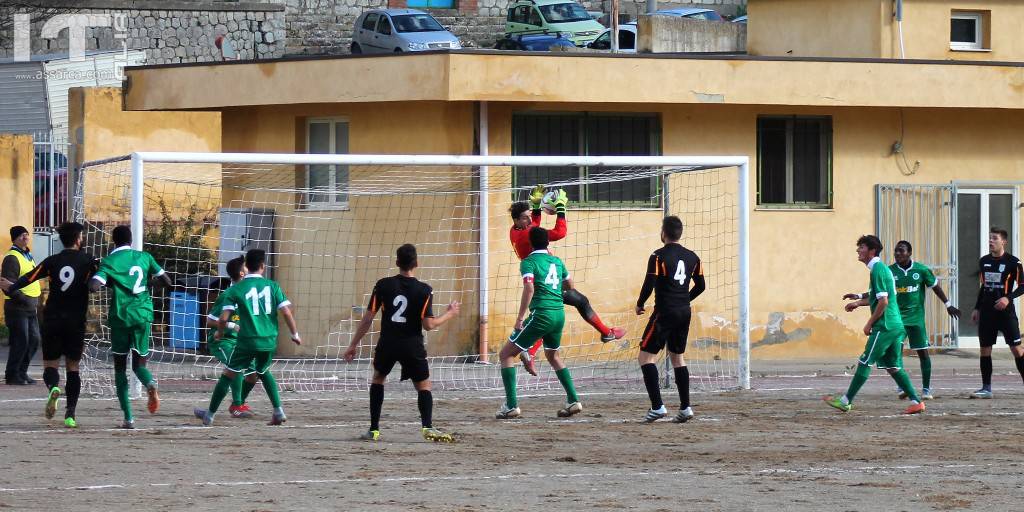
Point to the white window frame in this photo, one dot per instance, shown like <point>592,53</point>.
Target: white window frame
<point>979,31</point>
<point>333,187</point>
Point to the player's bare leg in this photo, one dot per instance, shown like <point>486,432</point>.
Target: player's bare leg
<point>572,400</point>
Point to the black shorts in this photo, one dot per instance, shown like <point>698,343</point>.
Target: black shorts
<point>63,335</point>
<point>991,323</point>
<point>666,329</point>
<point>411,354</point>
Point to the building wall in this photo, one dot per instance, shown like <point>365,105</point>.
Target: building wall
<point>926,30</point>
<point>16,164</point>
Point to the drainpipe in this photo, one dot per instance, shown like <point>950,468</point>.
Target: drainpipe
<point>614,26</point>
<point>898,14</point>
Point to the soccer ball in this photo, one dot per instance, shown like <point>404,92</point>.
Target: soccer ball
<point>548,202</point>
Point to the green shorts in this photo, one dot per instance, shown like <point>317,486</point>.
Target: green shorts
<point>545,324</point>
<point>917,336</point>
<point>222,352</point>
<point>126,339</point>
<point>884,349</point>
<point>244,360</point>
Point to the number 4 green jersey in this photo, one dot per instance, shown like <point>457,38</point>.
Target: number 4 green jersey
<point>127,273</point>
<point>547,273</point>
<point>884,285</point>
<point>256,300</point>
<point>912,286</point>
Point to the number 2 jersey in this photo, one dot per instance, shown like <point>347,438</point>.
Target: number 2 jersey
<point>1000,277</point>
<point>670,270</point>
<point>406,301</point>
<point>127,273</point>
<point>69,272</point>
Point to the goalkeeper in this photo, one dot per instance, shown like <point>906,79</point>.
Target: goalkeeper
<point>526,215</point>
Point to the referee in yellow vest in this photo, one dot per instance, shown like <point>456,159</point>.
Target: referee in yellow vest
<point>20,309</point>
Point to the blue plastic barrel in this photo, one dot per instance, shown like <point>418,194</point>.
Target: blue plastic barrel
<point>184,320</point>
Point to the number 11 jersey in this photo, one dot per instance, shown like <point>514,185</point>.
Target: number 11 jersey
<point>674,266</point>
<point>406,302</point>
<point>127,272</point>
<point>256,300</point>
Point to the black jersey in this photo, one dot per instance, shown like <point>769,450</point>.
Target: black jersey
<point>69,272</point>
<point>670,271</point>
<point>406,302</point>
<point>1000,277</point>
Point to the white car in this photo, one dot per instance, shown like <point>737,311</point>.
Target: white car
<point>627,39</point>
<point>400,30</point>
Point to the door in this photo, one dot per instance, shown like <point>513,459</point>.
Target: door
<point>242,229</point>
<point>366,30</point>
<point>978,210</point>
<point>384,38</point>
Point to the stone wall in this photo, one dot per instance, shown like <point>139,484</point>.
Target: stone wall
<point>665,34</point>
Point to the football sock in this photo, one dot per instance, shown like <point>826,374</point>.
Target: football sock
<point>508,379</point>
<point>51,377</point>
<point>247,388</point>
<point>650,371</point>
<point>858,380</point>
<point>903,380</point>
<point>566,379</point>
<point>683,383</point>
<point>236,389</point>
<point>425,400</point>
<point>536,347</point>
<point>376,403</point>
<point>986,372</point>
<point>219,392</point>
<point>140,370</point>
<point>73,388</point>
<point>926,369</point>
<point>270,386</point>
<point>121,384</point>
<point>1020,366</point>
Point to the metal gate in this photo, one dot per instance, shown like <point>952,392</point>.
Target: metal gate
<point>924,215</point>
<point>50,178</point>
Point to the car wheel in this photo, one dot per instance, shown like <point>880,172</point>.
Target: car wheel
<point>356,49</point>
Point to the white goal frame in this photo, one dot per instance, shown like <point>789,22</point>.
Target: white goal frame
<point>742,163</point>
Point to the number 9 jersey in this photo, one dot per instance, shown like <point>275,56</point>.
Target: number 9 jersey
<point>406,302</point>
<point>69,272</point>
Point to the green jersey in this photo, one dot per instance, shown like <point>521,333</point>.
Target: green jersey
<point>883,284</point>
<point>255,300</point>
<point>230,336</point>
<point>127,273</point>
<point>911,287</point>
<point>547,273</point>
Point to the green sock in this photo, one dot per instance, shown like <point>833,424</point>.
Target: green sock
<point>121,383</point>
<point>236,389</point>
<point>859,378</point>
<point>246,389</point>
<point>224,383</point>
<point>566,379</point>
<point>903,380</point>
<point>270,386</point>
<point>144,376</point>
<point>508,379</point>
<point>926,372</point>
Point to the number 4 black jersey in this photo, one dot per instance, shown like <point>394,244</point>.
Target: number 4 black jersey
<point>406,302</point>
<point>69,272</point>
<point>670,272</point>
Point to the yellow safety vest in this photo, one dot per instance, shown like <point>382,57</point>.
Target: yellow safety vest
<point>32,290</point>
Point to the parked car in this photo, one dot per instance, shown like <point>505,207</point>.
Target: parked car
<point>741,19</point>
<point>45,165</point>
<point>692,13</point>
<point>400,30</point>
<point>552,16</point>
<point>627,39</point>
<point>534,42</point>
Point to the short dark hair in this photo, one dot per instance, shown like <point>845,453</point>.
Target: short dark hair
<point>871,242</point>
<point>672,227</point>
<point>122,235</point>
<point>406,257</point>
<point>254,258</point>
<point>910,248</point>
<point>69,232</point>
<point>538,238</point>
<point>1001,232</point>
<point>17,231</point>
<point>518,208</point>
<point>234,266</point>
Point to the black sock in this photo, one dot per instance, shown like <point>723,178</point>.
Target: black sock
<point>73,388</point>
<point>376,402</point>
<point>650,371</point>
<point>51,377</point>
<point>1020,366</point>
<point>683,383</point>
<point>986,372</point>
<point>426,403</point>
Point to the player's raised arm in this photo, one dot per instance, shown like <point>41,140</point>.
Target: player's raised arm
<point>430,323</point>
<point>561,225</point>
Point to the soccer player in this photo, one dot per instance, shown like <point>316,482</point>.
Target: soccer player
<point>222,348</point>
<point>129,273</point>
<point>670,272</point>
<point>1001,283</point>
<point>912,281</point>
<point>256,300</point>
<point>64,317</point>
<point>543,302</point>
<point>884,330</point>
<point>528,215</point>
<point>408,306</point>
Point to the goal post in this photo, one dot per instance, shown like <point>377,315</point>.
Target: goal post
<point>453,208</point>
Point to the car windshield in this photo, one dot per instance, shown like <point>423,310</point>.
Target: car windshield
<point>416,23</point>
<point>562,13</point>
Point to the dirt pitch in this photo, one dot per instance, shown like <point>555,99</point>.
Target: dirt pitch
<point>777,447</point>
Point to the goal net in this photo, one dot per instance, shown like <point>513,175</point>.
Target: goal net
<point>331,225</point>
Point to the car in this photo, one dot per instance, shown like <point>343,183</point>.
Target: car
<point>552,16</point>
<point>627,39</point>
<point>400,30</point>
<point>692,13</point>
<point>741,19</point>
<point>535,41</point>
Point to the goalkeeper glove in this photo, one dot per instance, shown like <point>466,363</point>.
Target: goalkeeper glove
<point>561,200</point>
<point>536,195</point>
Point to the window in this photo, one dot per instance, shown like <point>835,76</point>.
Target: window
<point>968,30</point>
<point>431,4</point>
<point>327,182</point>
<point>519,14</point>
<point>588,134</point>
<point>535,19</point>
<point>384,26</point>
<point>794,161</point>
<point>627,40</point>
<point>370,21</point>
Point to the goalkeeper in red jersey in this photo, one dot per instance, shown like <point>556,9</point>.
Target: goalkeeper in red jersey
<point>526,215</point>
